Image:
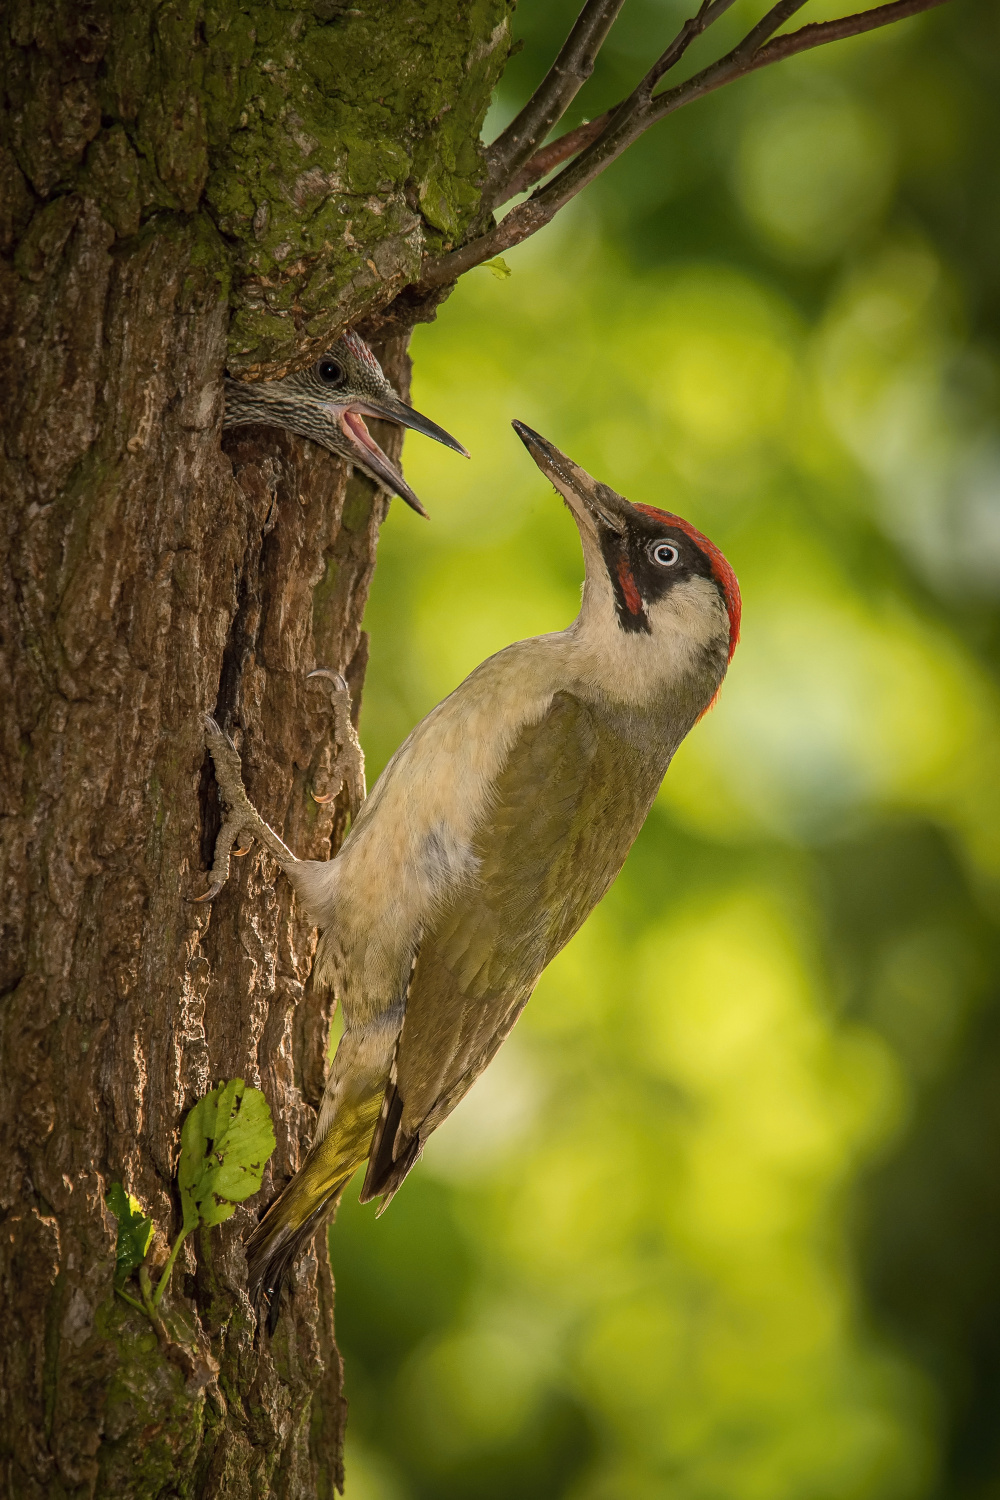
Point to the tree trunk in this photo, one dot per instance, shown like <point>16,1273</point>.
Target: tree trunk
<point>184,189</point>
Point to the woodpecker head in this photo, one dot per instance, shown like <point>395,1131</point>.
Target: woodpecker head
<point>328,402</point>
<point>651,576</point>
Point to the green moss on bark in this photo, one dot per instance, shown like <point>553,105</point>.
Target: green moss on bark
<point>332,147</point>
<point>147,1393</point>
<point>343,151</point>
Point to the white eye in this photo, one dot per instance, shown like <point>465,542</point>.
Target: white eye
<point>664,553</point>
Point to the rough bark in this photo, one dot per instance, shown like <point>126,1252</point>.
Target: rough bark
<point>183,187</point>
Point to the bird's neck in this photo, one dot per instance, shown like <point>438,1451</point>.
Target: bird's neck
<point>247,401</point>
<point>683,654</point>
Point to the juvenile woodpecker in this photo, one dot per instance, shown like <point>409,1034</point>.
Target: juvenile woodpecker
<point>492,833</point>
<point>328,402</point>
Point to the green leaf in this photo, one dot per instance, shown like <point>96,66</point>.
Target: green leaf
<point>225,1143</point>
<point>501,270</point>
<point>134,1232</point>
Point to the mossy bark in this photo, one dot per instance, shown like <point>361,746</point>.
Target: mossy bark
<point>184,187</point>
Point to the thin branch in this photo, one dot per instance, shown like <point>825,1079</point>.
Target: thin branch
<point>745,58</point>
<point>554,94</point>
<point>817,33</point>
<point>549,157</point>
<point>509,181</point>
<point>765,27</point>
<point>635,115</point>
<point>708,14</point>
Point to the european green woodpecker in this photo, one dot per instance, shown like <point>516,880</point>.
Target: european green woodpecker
<point>328,402</point>
<point>492,833</point>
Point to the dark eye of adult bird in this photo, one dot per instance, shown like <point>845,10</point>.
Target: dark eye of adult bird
<point>328,403</point>
<point>488,839</point>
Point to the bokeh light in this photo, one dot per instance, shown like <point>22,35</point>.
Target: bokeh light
<point>721,1222</point>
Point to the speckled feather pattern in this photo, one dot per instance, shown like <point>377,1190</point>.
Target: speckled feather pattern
<point>298,402</point>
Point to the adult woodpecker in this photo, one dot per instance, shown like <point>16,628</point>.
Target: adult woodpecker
<point>328,402</point>
<point>492,833</point>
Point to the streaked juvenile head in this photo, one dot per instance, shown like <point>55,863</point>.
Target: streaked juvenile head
<point>650,573</point>
<point>328,402</point>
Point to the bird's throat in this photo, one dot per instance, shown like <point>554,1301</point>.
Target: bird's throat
<point>353,424</point>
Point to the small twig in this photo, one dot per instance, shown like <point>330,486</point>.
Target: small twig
<point>550,101</point>
<point>817,33</point>
<point>708,13</point>
<point>506,183</point>
<point>150,1304</point>
<point>641,109</point>
<point>549,157</point>
<point>635,115</point>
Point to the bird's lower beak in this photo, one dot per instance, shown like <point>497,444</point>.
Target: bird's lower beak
<point>593,504</point>
<point>370,456</point>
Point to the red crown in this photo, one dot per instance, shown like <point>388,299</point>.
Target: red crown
<point>360,350</point>
<point>721,571</point>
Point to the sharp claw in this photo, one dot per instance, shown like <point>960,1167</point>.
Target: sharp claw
<point>339,682</point>
<point>322,797</point>
<point>239,853</point>
<point>213,728</point>
<point>208,895</point>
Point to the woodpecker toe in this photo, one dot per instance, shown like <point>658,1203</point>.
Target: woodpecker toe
<point>208,895</point>
<point>336,679</point>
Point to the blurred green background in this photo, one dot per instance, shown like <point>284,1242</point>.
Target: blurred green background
<point>722,1222</point>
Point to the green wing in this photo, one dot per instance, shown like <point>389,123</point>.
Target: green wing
<point>569,803</point>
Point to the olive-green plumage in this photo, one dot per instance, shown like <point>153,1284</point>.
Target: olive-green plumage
<point>572,795</point>
<point>493,832</point>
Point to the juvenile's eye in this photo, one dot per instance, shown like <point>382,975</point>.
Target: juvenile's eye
<point>330,372</point>
<point>664,553</point>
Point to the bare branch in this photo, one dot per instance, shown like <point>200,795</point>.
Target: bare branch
<point>819,32</point>
<point>709,12</point>
<point>509,181</point>
<point>756,51</point>
<point>549,157</point>
<point>635,115</point>
<point>766,26</point>
<point>552,98</point>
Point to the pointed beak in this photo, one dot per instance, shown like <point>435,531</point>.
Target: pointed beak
<point>593,504</point>
<point>370,456</point>
<point>398,411</point>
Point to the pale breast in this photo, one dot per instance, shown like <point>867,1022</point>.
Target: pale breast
<point>412,844</point>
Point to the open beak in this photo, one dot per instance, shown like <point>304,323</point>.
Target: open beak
<point>370,456</point>
<point>593,504</point>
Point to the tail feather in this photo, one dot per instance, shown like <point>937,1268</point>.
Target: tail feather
<point>309,1199</point>
<point>277,1242</point>
<point>274,1247</point>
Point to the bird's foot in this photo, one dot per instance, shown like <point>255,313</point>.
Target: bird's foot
<point>349,761</point>
<point>242,820</point>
